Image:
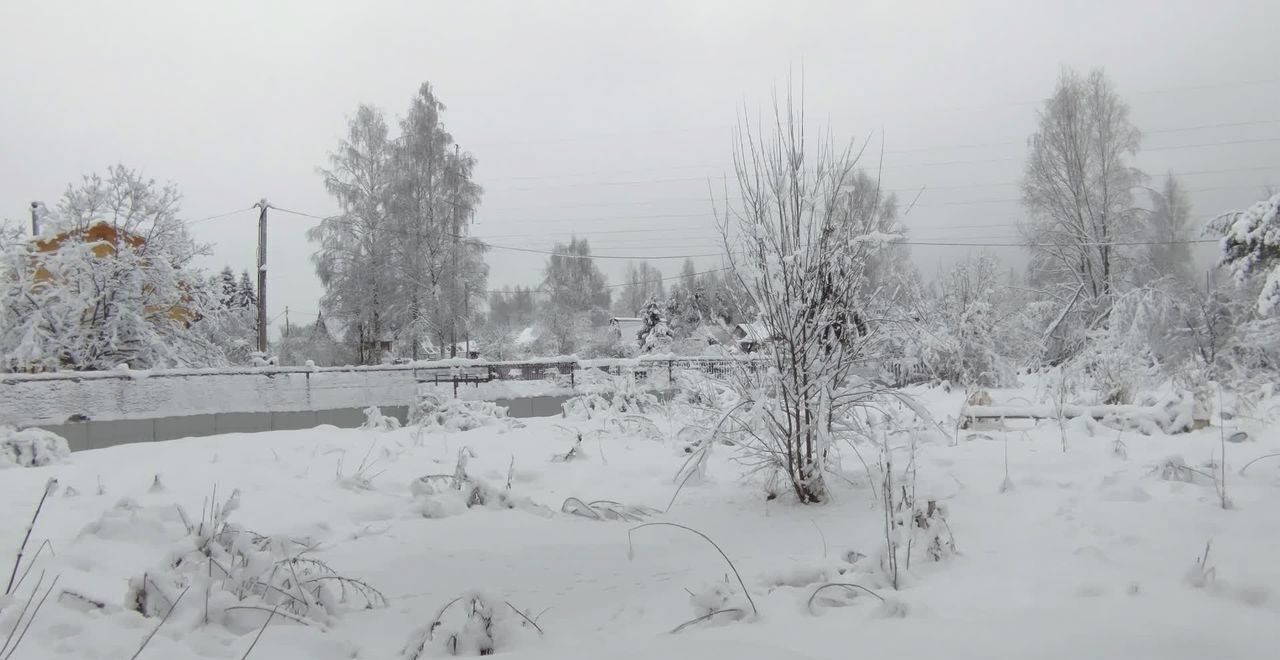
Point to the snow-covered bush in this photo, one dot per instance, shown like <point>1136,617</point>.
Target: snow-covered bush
<point>31,447</point>
<point>603,394</point>
<point>374,420</point>
<point>471,624</point>
<point>1129,352</point>
<point>241,577</point>
<point>606,510</point>
<point>433,411</point>
<point>961,339</point>
<point>716,601</point>
<point>444,495</point>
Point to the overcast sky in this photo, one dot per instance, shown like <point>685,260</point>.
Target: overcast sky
<point>607,119</point>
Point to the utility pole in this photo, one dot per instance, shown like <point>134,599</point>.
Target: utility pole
<point>286,321</point>
<point>262,276</point>
<point>35,219</point>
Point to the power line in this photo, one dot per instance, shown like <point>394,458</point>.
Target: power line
<point>509,291</point>
<point>907,189</point>
<point>306,215</point>
<point>678,200</point>
<point>607,232</point>
<point>918,111</point>
<point>977,145</point>
<point>190,223</point>
<point>1084,244</point>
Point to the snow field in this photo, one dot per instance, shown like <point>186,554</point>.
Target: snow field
<point>1088,555</point>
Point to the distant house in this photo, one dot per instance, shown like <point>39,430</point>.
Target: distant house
<point>467,350</point>
<point>628,327</point>
<point>751,337</point>
<point>104,241</point>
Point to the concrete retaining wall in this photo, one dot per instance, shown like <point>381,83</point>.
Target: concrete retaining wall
<point>40,401</point>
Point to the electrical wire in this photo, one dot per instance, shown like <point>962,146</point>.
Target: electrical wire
<point>191,223</point>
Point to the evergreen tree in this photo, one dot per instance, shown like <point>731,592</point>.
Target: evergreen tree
<point>246,295</point>
<point>227,288</point>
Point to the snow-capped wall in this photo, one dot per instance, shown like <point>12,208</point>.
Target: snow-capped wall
<point>56,398</point>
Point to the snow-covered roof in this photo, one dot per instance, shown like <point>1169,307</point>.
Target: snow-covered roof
<point>627,324</point>
<point>756,332</point>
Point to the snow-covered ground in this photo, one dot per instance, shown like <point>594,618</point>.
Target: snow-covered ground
<point>1088,555</point>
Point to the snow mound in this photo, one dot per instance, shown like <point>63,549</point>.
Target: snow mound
<point>31,447</point>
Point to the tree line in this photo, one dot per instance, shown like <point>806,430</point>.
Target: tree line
<point>1110,286</point>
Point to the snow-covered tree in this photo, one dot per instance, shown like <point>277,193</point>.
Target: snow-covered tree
<point>354,257</point>
<point>108,284</point>
<point>443,275</point>
<point>231,320</point>
<point>961,338</point>
<point>1168,230</point>
<point>642,282</point>
<point>655,334</point>
<point>1251,248</point>
<point>246,296</point>
<point>579,296</point>
<point>396,262</point>
<point>226,287</point>
<point>313,343</point>
<point>511,309</point>
<point>1077,188</point>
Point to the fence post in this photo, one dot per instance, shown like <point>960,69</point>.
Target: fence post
<point>670,378</point>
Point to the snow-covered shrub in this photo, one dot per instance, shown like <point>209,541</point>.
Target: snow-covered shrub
<point>607,510</point>
<point>31,447</point>
<point>471,624</point>
<point>1127,353</point>
<point>374,420</point>
<point>961,338</point>
<point>931,532</point>
<point>1174,468</point>
<point>716,601</point>
<point>434,411</point>
<point>604,394</point>
<point>241,577</point>
<point>726,598</point>
<point>444,495</point>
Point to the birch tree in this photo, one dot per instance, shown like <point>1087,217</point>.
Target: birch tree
<point>442,275</point>
<point>354,259</point>
<point>1078,191</point>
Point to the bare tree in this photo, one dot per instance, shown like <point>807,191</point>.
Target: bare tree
<point>800,247</point>
<point>1078,189</point>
